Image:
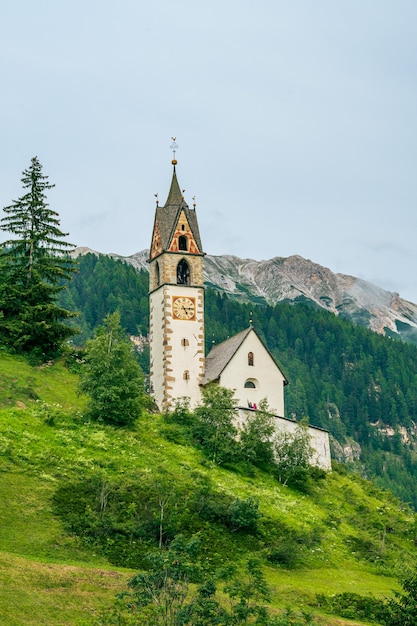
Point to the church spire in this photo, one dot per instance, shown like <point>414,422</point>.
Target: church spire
<point>175,197</point>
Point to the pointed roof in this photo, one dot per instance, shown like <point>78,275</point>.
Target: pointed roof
<point>167,216</point>
<point>220,355</point>
<point>175,197</point>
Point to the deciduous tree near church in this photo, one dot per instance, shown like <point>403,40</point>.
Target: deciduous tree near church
<point>34,267</point>
<point>112,377</point>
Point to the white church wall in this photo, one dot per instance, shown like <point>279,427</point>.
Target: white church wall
<point>156,340</point>
<point>264,373</point>
<point>186,342</point>
<point>177,347</point>
<point>319,438</point>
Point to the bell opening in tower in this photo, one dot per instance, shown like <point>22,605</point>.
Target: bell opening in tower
<point>183,273</point>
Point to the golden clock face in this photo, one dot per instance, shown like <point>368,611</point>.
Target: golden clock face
<point>183,308</point>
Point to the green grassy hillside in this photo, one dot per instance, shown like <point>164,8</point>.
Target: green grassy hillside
<point>63,555</point>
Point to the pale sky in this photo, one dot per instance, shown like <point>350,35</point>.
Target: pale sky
<point>296,123</point>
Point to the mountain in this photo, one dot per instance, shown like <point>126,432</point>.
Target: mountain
<point>295,279</point>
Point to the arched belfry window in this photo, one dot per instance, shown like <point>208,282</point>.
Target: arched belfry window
<point>157,274</point>
<point>183,273</point>
<point>182,243</point>
<point>250,358</point>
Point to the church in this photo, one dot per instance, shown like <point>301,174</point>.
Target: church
<point>178,365</point>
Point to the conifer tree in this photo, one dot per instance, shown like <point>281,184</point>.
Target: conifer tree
<point>34,265</point>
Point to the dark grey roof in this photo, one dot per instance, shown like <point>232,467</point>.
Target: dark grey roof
<point>220,355</point>
<point>175,197</point>
<point>167,216</point>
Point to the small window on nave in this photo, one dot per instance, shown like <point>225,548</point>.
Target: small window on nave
<point>249,384</point>
<point>250,358</point>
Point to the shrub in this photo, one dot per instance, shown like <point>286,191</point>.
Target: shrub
<point>354,606</point>
<point>244,514</point>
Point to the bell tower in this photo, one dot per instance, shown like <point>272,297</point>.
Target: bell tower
<point>176,292</point>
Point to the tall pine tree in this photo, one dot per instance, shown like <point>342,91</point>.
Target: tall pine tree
<point>34,264</point>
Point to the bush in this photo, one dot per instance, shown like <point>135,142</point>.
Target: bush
<point>287,546</point>
<point>354,606</point>
<point>244,514</point>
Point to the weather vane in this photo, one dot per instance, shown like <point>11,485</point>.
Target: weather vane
<point>174,147</point>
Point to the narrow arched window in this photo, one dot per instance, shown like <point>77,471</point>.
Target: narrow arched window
<point>157,275</point>
<point>186,375</point>
<point>250,358</point>
<point>182,243</point>
<point>183,273</point>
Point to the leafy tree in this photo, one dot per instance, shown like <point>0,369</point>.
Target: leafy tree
<point>162,595</point>
<point>214,429</point>
<point>34,265</point>
<point>256,436</point>
<point>111,376</point>
<point>162,591</point>
<point>402,611</point>
<point>292,453</point>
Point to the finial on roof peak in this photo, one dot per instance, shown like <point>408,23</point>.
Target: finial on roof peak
<point>174,147</point>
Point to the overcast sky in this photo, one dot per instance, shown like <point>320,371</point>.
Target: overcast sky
<point>296,123</point>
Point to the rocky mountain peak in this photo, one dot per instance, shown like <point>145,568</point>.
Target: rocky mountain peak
<point>295,279</point>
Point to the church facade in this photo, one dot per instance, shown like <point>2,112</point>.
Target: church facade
<point>178,365</point>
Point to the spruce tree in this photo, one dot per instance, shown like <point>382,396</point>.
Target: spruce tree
<point>35,264</point>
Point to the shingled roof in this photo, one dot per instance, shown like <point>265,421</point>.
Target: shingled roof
<point>167,216</point>
<point>220,355</point>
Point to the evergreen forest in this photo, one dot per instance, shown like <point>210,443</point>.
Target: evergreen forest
<point>359,385</point>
